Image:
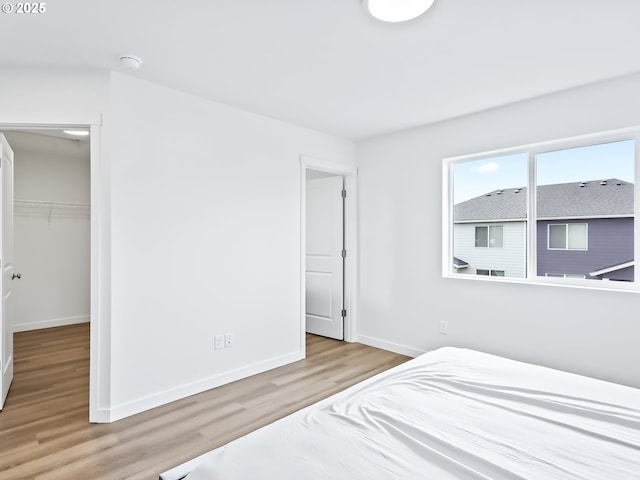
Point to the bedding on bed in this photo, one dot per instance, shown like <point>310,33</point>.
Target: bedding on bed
<point>448,414</point>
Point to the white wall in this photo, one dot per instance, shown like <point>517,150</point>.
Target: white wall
<point>52,95</point>
<point>402,293</point>
<point>51,245</point>
<point>205,240</point>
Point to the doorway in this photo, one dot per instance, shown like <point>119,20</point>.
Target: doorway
<point>321,295</point>
<point>51,230</point>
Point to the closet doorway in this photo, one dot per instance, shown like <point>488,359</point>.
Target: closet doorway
<point>322,296</point>
<point>52,229</point>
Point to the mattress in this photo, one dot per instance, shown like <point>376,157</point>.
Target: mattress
<point>448,414</point>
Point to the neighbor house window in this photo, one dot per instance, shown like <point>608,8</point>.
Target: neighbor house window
<point>560,211</point>
<point>568,236</point>
<point>490,273</point>
<point>489,236</point>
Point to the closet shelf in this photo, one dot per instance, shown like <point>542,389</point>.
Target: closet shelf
<point>39,208</point>
<point>41,204</point>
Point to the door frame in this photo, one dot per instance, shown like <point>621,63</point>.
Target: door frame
<point>99,370</point>
<point>351,243</point>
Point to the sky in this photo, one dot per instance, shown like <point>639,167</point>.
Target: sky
<point>593,162</point>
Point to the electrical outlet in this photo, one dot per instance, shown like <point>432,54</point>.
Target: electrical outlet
<point>228,340</point>
<point>219,342</point>
<point>444,327</point>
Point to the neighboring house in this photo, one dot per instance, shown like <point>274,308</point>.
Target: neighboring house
<point>584,230</point>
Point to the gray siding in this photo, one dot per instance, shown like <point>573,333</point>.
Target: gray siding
<point>610,242</point>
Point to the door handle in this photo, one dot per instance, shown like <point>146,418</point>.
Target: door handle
<point>16,275</point>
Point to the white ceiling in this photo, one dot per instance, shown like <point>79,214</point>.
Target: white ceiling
<point>325,65</point>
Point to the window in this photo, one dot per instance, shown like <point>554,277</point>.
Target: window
<point>489,236</point>
<point>571,236</point>
<point>492,273</point>
<point>554,212</point>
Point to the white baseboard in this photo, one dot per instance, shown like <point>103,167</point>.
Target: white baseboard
<point>390,346</point>
<point>54,322</point>
<point>100,416</point>
<point>147,403</point>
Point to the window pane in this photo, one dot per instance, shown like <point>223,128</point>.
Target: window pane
<point>495,236</point>
<point>584,203</point>
<point>482,272</point>
<point>577,236</point>
<point>497,273</point>
<point>557,236</point>
<point>481,237</point>
<point>487,191</point>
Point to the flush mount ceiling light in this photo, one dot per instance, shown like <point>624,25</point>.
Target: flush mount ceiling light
<point>130,62</point>
<point>395,11</point>
<point>79,133</point>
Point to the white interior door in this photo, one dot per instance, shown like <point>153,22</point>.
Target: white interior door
<point>6,259</point>
<point>324,260</point>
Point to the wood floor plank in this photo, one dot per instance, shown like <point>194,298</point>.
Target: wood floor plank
<point>44,428</point>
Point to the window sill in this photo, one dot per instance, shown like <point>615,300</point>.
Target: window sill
<point>602,285</point>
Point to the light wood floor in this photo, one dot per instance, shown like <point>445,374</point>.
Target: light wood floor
<point>44,429</point>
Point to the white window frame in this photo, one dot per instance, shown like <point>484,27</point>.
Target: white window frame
<point>566,239</point>
<point>632,133</point>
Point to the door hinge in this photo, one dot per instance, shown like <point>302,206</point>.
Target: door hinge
<point>344,194</point>
<point>344,253</point>
<point>343,313</point>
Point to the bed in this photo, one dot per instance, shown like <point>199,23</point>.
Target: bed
<point>448,414</point>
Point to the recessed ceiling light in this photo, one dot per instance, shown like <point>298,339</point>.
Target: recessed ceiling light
<point>79,133</point>
<point>397,10</point>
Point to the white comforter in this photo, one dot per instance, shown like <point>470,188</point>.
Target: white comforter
<point>449,414</point>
